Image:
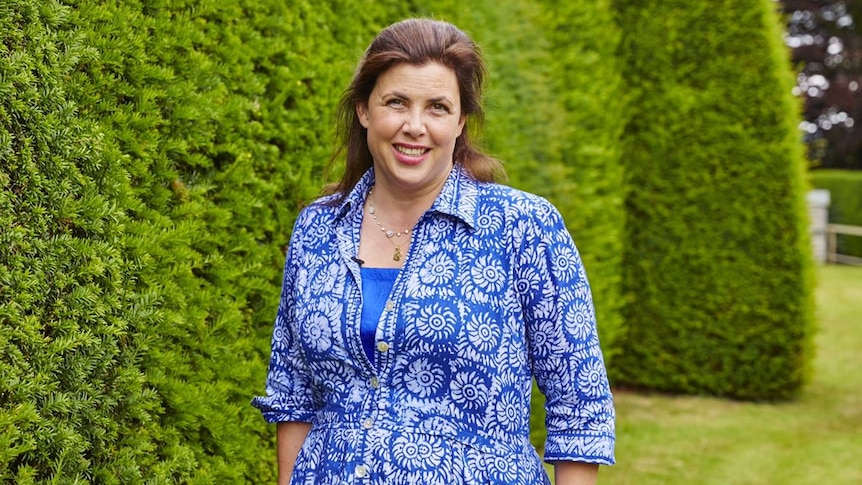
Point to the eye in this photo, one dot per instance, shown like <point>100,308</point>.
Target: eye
<point>395,102</point>
<point>440,107</point>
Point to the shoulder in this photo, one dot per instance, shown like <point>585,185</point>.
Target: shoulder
<point>516,204</point>
<point>320,210</point>
<point>315,222</point>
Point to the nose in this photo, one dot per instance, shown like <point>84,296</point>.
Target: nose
<point>414,125</point>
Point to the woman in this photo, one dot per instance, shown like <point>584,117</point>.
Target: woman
<point>420,298</point>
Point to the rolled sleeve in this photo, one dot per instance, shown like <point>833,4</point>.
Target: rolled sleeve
<point>580,421</point>
<point>566,357</point>
<point>289,390</point>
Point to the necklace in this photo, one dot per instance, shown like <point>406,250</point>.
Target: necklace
<point>389,233</point>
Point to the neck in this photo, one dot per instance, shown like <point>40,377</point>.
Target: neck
<point>400,212</point>
<point>405,204</point>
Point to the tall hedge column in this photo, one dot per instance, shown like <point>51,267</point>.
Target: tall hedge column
<point>716,263</point>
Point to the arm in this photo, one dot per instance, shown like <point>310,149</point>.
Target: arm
<point>563,343</point>
<point>290,396</point>
<point>290,436</point>
<point>575,473</point>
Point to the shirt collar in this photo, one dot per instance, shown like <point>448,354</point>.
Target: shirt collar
<point>456,199</point>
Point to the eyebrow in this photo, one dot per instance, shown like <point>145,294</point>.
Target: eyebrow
<point>438,99</point>
<point>441,99</point>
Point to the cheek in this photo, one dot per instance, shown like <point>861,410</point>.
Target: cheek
<point>383,124</point>
<point>446,133</point>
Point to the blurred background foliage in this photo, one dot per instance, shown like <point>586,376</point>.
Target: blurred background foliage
<point>154,155</point>
<point>826,42</point>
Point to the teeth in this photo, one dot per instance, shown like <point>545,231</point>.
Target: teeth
<point>411,152</point>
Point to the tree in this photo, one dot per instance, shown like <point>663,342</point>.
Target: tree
<point>716,271</point>
<point>826,41</point>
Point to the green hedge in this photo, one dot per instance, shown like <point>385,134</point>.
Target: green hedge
<point>154,155</point>
<point>845,207</point>
<point>716,268</point>
<point>65,373</point>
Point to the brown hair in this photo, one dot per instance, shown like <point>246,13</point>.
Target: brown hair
<point>416,42</point>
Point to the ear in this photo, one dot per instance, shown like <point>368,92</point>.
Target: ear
<point>461,122</point>
<point>362,114</point>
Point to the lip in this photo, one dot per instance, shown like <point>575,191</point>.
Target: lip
<point>408,159</point>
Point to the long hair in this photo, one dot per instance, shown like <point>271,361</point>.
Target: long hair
<point>416,42</point>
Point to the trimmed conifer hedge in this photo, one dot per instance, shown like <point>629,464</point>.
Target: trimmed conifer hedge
<point>154,155</point>
<point>845,205</point>
<point>716,266</point>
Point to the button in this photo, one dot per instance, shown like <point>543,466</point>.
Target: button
<point>382,346</point>
<point>390,305</point>
<point>361,471</point>
<point>368,423</point>
<point>375,382</point>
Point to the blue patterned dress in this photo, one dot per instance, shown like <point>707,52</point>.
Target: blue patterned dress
<point>491,294</point>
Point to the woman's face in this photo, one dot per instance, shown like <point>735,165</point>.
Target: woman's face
<point>413,117</point>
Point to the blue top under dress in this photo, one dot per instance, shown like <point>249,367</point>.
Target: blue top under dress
<point>376,285</point>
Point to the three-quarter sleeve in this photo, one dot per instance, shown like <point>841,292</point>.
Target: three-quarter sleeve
<point>563,342</point>
<point>289,390</point>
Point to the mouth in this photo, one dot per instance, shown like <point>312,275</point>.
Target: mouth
<point>411,151</point>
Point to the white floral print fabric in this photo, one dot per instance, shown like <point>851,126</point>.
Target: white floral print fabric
<point>492,293</point>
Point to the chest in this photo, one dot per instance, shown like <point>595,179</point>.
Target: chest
<point>455,296</point>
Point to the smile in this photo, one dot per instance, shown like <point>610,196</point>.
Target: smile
<point>411,152</point>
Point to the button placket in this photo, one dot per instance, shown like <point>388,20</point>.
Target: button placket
<point>387,328</point>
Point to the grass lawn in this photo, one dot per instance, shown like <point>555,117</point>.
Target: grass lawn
<point>816,439</point>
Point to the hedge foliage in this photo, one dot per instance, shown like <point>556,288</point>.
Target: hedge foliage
<point>154,154</point>
<point>716,265</point>
<point>845,206</point>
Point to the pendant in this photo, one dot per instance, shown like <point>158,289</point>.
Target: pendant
<point>397,255</point>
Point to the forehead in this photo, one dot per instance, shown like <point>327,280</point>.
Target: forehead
<point>431,79</point>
